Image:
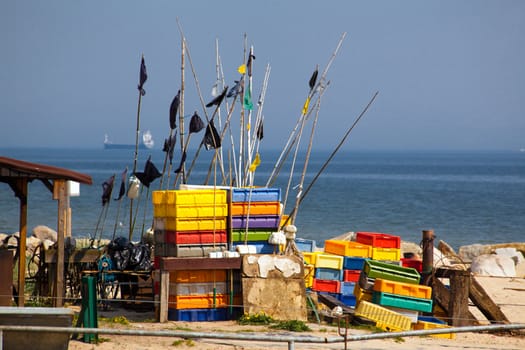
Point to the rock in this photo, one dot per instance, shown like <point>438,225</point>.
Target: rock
<point>493,265</point>
<point>43,232</point>
<point>411,249</point>
<point>511,253</point>
<point>440,259</point>
<point>469,252</point>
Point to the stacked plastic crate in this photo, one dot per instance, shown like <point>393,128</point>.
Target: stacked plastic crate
<point>193,223</point>
<point>353,255</point>
<point>190,223</point>
<point>391,295</point>
<point>198,295</point>
<point>255,213</point>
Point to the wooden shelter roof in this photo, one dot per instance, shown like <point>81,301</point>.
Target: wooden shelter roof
<point>11,169</point>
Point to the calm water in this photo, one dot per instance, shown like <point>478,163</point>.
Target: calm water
<point>465,197</point>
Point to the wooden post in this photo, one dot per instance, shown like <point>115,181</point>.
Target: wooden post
<point>428,254</point>
<point>60,193</point>
<point>164,295</point>
<point>459,296</point>
<point>22,187</point>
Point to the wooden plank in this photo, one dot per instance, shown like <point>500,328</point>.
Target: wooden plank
<point>174,264</point>
<point>22,187</point>
<point>87,255</point>
<point>458,302</point>
<point>164,295</point>
<point>441,295</point>
<point>60,193</point>
<point>485,304</point>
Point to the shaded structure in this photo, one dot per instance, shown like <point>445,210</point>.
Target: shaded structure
<point>17,174</point>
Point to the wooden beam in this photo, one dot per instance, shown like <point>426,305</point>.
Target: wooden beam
<point>164,295</point>
<point>441,296</point>
<point>60,193</point>
<point>86,255</point>
<point>459,292</point>
<point>485,304</point>
<point>22,195</point>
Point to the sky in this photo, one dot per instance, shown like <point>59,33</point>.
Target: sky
<point>450,75</point>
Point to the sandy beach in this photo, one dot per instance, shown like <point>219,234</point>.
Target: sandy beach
<point>506,292</point>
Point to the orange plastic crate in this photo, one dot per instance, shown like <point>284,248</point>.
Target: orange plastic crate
<point>197,301</point>
<point>198,276</point>
<point>375,239</point>
<point>348,248</point>
<point>351,275</point>
<point>331,286</point>
<point>400,288</point>
<point>255,208</point>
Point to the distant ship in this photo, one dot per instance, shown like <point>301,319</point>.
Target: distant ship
<point>147,142</point>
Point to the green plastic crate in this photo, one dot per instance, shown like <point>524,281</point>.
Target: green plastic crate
<point>377,269</point>
<point>402,301</point>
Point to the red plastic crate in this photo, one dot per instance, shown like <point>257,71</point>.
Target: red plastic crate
<point>331,286</point>
<point>382,240</point>
<point>414,263</point>
<point>351,275</point>
<point>196,237</point>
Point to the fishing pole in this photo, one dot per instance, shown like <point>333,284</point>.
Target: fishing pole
<point>292,213</point>
<point>312,92</point>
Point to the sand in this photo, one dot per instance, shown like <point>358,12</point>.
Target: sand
<point>508,293</point>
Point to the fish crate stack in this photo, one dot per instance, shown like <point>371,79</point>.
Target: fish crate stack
<point>199,295</point>
<point>254,213</point>
<point>350,257</point>
<point>190,223</point>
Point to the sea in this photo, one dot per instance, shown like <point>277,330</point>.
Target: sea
<point>465,197</point>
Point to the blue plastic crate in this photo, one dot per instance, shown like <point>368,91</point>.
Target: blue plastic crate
<point>323,273</point>
<point>198,315</point>
<point>347,288</point>
<point>305,245</point>
<point>260,247</point>
<point>431,319</point>
<point>353,263</point>
<point>256,195</point>
<point>348,300</point>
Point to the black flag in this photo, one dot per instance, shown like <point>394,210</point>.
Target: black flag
<point>313,79</point>
<point>149,174</point>
<point>143,77</point>
<point>107,188</point>
<point>260,131</point>
<point>196,123</point>
<point>211,137</point>
<point>249,64</point>
<point>217,100</point>
<point>183,159</point>
<point>122,189</point>
<point>169,146</point>
<point>173,111</point>
<point>234,91</point>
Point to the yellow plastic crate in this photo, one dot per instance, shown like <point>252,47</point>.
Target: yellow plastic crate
<point>422,325</point>
<point>310,257</point>
<point>329,261</point>
<point>387,320</point>
<point>195,224</point>
<point>309,272</point>
<point>362,294</point>
<point>400,288</point>
<point>196,197</point>
<point>158,197</point>
<point>348,248</point>
<point>197,211</point>
<point>389,254</point>
<point>197,276</point>
<point>197,301</point>
<point>159,210</point>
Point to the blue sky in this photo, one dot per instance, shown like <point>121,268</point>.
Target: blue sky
<point>450,74</point>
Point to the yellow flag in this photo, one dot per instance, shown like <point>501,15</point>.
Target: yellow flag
<point>248,126</point>
<point>242,69</point>
<point>255,163</point>
<point>305,106</point>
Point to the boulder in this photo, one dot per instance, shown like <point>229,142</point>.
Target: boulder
<point>43,232</point>
<point>493,265</point>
